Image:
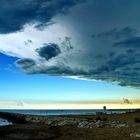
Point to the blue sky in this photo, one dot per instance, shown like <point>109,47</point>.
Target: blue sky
<point>69,54</point>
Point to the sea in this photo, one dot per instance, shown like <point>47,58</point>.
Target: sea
<point>4,122</point>
<point>68,112</point>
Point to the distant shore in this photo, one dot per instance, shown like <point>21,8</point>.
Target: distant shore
<point>84,127</point>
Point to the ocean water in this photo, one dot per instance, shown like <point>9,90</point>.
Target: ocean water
<point>68,112</point>
<point>4,122</point>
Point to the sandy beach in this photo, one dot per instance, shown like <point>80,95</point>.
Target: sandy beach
<point>96,127</point>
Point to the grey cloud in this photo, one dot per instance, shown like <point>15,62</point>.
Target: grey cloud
<point>49,51</point>
<point>111,54</point>
<point>126,101</point>
<point>20,103</point>
<point>133,42</point>
<point>25,63</point>
<point>121,69</point>
<point>15,14</point>
<point>116,33</point>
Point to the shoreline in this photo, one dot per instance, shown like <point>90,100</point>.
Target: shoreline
<point>85,121</point>
<point>97,127</point>
<point>24,118</point>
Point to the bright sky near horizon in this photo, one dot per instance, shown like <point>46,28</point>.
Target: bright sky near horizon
<point>69,54</point>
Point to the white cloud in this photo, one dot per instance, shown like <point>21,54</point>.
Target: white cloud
<point>18,44</point>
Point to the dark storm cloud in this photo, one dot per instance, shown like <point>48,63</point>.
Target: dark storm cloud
<point>25,63</point>
<point>15,14</point>
<point>112,53</point>
<point>49,51</point>
<point>122,69</point>
<point>133,42</point>
<point>115,33</point>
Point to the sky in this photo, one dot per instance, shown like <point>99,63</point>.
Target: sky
<point>69,54</point>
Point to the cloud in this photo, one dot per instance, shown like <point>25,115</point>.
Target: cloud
<point>121,69</point>
<point>126,101</point>
<point>130,43</point>
<point>12,104</point>
<point>14,15</point>
<point>49,51</point>
<point>95,40</point>
<point>116,34</point>
<point>20,103</point>
<point>25,63</point>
